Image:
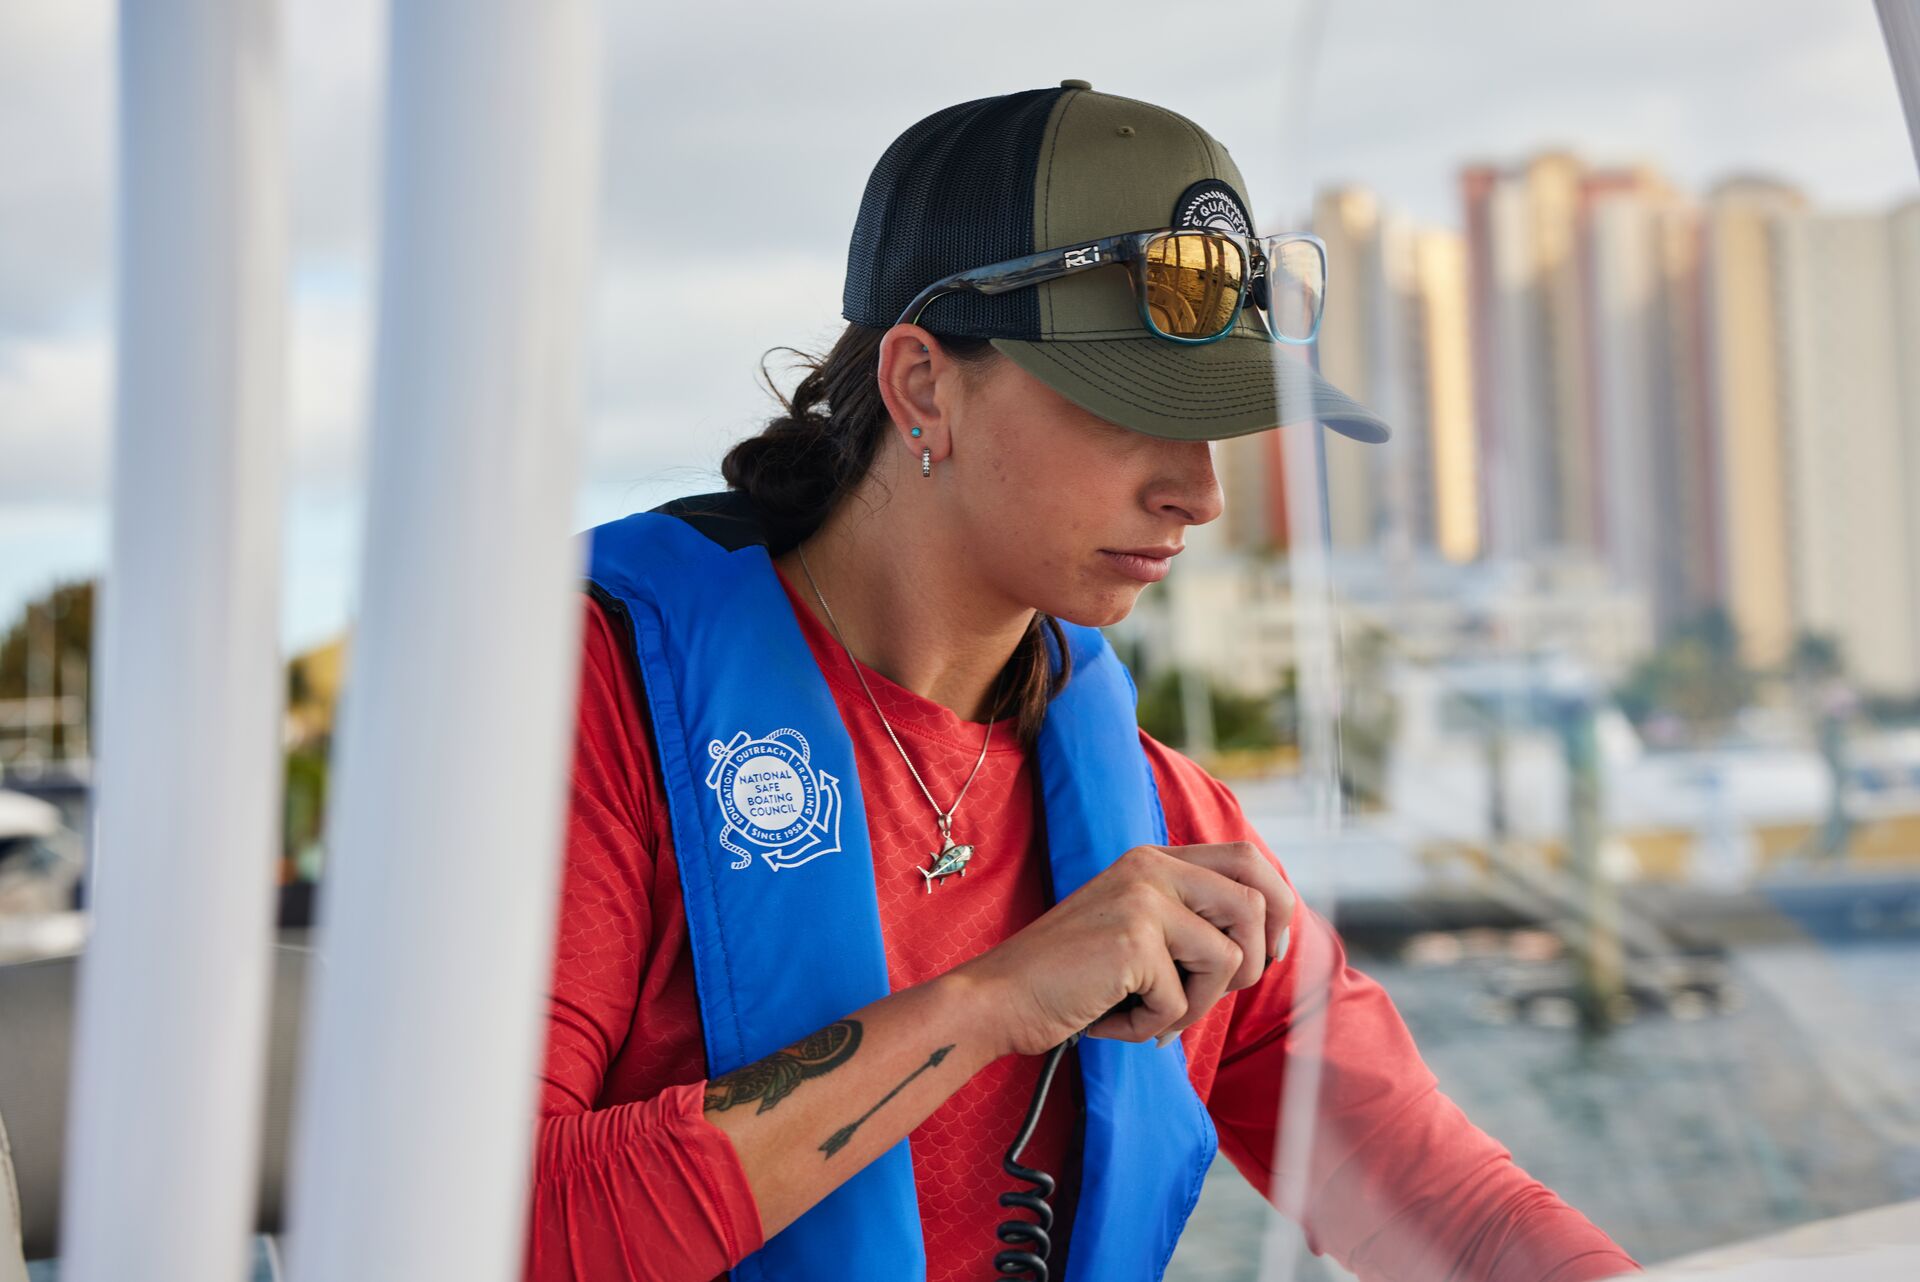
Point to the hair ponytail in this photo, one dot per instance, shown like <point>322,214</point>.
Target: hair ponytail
<point>820,447</point>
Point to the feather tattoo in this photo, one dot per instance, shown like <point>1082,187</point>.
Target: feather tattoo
<point>772,1079</point>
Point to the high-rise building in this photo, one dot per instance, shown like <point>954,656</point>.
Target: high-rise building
<point>1445,350</point>
<point>1693,579</point>
<point>1620,216</point>
<point>1745,403</point>
<point>1395,336</point>
<point>1253,493</point>
<point>1513,401</point>
<point>1650,474</point>
<point>1903,230</point>
<point>1552,186</point>
<point>1348,220</point>
<point>1850,448</point>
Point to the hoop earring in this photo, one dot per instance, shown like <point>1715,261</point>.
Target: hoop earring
<point>926,462</point>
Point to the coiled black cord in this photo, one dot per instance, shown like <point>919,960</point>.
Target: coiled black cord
<point>1029,1241</point>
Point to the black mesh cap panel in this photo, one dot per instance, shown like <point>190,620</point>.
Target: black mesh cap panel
<point>952,192</point>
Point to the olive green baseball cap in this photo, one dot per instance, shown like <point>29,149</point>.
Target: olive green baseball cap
<point>999,178</point>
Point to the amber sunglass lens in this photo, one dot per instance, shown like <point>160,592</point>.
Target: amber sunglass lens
<point>1194,281</point>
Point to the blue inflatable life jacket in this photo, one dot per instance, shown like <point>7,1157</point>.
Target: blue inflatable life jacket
<point>771,837</point>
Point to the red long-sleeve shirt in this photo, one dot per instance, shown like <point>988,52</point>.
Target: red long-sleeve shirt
<point>632,1181</point>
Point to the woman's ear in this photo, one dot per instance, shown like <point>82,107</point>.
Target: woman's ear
<point>912,370</point>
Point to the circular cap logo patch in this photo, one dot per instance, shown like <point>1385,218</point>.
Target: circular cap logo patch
<point>1212,205</point>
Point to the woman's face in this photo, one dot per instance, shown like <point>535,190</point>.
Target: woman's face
<point>1058,509</point>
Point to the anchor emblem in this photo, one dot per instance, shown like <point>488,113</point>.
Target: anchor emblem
<point>772,797</point>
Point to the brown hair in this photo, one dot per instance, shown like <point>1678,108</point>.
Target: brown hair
<point>821,446</point>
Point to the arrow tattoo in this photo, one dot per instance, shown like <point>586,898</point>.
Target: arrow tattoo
<point>838,1140</point>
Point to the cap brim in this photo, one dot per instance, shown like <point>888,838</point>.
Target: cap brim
<point>1193,392</point>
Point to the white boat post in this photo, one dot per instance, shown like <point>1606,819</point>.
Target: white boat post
<point>1900,24</point>
<point>1303,463</point>
<point>426,1018</point>
<point>162,1146</point>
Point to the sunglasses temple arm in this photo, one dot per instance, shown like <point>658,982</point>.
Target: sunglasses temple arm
<point>1018,273</point>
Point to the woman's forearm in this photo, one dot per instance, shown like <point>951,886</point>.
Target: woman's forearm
<point>806,1118</point>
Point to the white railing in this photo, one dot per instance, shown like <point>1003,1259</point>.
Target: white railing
<point>163,1139</point>
<point>1900,23</point>
<point>427,1010</point>
<point>415,1119</point>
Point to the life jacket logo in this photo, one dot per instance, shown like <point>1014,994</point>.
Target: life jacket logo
<point>1212,205</point>
<point>774,800</point>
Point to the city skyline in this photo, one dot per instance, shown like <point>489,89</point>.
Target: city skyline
<point>1392,91</point>
<point>1699,392</point>
<point>1438,474</point>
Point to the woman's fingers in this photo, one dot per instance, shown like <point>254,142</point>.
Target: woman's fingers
<point>1212,961</point>
<point>1162,1000</point>
<point>1188,963</point>
<point>1221,904</point>
<point>1170,930</point>
<point>1247,866</point>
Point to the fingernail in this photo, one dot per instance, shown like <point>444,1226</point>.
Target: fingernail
<point>1286,937</point>
<point>1164,1038</point>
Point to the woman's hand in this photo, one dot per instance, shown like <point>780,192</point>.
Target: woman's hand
<point>1215,912</point>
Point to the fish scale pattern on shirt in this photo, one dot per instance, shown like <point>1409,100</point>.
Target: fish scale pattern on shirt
<point>958,1149</point>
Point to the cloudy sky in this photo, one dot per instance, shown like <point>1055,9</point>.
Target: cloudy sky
<point>738,138</point>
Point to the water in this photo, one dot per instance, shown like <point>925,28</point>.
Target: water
<point>1671,1135</point>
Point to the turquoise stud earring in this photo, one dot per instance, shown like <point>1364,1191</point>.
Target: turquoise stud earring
<point>916,432</point>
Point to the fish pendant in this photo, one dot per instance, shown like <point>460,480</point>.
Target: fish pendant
<point>947,860</point>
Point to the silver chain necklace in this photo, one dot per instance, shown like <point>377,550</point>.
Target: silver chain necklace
<point>951,858</point>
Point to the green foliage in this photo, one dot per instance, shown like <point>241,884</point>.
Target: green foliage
<point>1816,656</point>
<point>1369,716</point>
<point>1240,721</point>
<point>304,808</point>
<point>54,634</point>
<point>1695,675</point>
<point>49,646</point>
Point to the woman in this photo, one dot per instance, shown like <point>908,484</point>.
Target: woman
<point>862,826</point>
